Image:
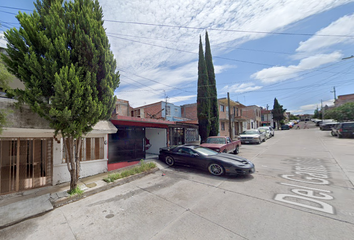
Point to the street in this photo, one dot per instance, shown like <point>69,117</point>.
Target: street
<point>300,190</point>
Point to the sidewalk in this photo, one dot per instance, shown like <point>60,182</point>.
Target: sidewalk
<point>17,207</point>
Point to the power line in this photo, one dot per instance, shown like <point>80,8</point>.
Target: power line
<point>229,30</point>
<point>209,28</point>
<point>16,8</point>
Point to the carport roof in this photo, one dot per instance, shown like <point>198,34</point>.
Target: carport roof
<point>117,120</point>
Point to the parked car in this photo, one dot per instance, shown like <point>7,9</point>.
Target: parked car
<point>222,144</point>
<point>206,159</point>
<point>334,130</point>
<point>344,129</point>
<point>265,131</point>
<point>327,126</point>
<point>252,136</point>
<point>318,123</point>
<point>285,127</point>
<point>268,128</point>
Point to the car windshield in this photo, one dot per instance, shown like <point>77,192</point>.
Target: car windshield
<point>250,132</point>
<point>216,140</point>
<point>262,129</point>
<point>205,151</point>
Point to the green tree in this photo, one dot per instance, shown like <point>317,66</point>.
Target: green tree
<point>342,113</point>
<point>214,109</point>
<point>62,55</point>
<point>4,76</point>
<point>278,112</point>
<point>317,113</point>
<point>203,102</point>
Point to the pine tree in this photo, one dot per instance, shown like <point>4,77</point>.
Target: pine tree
<point>203,102</point>
<point>278,112</point>
<point>62,55</point>
<point>214,109</point>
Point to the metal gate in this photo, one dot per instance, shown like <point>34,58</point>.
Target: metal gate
<point>25,163</point>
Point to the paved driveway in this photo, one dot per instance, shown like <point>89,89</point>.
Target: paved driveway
<point>300,191</point>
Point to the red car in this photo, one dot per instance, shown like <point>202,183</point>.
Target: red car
<point>222,144</point>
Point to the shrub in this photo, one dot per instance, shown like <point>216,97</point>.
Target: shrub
<point>142,167</point>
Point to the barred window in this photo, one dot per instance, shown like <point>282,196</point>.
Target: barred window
<point>91,149</point>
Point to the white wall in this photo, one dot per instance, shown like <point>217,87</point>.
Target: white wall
<point>157,137</point>
<point>88,168</point>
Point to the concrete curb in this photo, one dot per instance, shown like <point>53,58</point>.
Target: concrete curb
<point>66,200</point>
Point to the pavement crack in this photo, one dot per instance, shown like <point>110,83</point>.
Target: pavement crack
<point>68,224</point>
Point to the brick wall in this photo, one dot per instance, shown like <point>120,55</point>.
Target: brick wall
<point>189,111</point>
<point>153,109</point>
<point>344,99</point>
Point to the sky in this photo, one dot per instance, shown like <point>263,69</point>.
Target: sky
<point>294,51</point>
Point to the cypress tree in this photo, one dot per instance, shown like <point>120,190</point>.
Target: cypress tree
<point>62,55</point>
<point>278,112</point>
<point>214,109</point>
<point>203,102</point>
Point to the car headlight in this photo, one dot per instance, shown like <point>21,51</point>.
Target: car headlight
<point>218,150</point>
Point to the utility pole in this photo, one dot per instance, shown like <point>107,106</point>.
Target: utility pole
<point>166,104</point>
<point>228,103</point>
<point>322,110</point>
<point>334,92</point>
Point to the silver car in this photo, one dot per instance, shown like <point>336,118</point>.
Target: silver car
<point>252,136</point>
<point>269,129</point>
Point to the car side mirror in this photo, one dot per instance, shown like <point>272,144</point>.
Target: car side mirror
<point>195,155</point>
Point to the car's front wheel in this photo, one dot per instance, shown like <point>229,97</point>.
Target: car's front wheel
<point>216,169</point>
<point>237,149</point>
<point>169,161</point>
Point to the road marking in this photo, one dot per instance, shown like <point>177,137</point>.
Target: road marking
<point>306,196</point>
<point>325,206</point>
<point>316,189</point>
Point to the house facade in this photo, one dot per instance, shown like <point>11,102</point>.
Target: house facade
<point>31,157</point>
<point>342,99</point>
<point>145,130</point>
<point>238,121</point>
<point>253,113</point>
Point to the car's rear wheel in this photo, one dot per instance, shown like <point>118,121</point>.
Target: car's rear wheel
<point>237,149</point>
<point>216,169</point>
<point>169,161</point>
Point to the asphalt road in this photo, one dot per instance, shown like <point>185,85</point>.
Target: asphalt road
<point>302,189</point>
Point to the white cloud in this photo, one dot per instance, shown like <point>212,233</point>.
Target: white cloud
<point>241,88</point>
<point>149,50</point>
<point>221,68</point>
<point>282,73</point>
<point>182,98</point>
<point>2,40</point>
<point>343,26</point>
<point>310,108</point>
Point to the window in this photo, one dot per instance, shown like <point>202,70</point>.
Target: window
<point>222,126</point>
<point>91,149</point>
<point>222,108</point>
<point>168,110</point>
